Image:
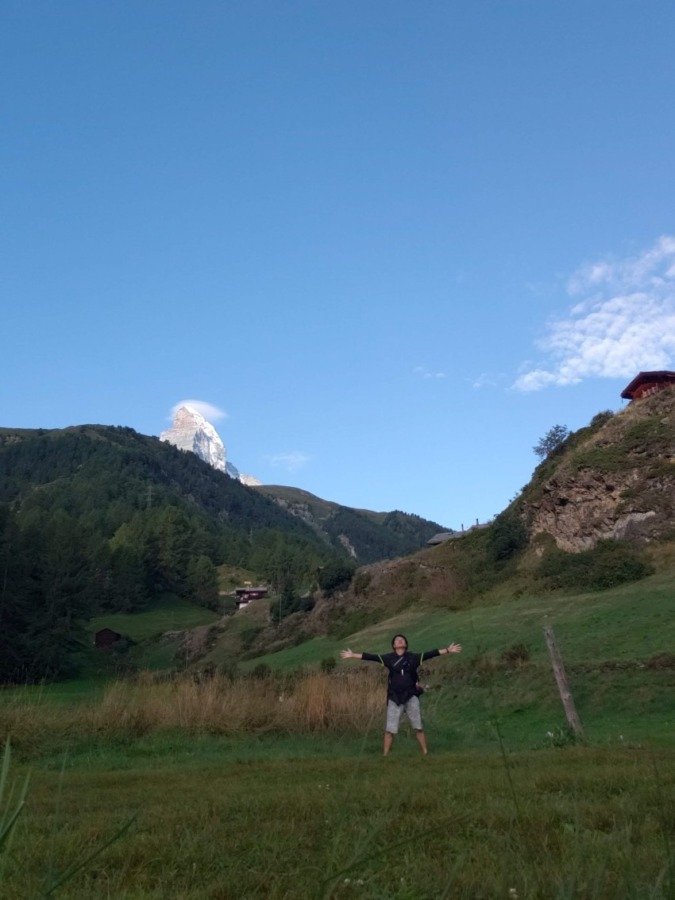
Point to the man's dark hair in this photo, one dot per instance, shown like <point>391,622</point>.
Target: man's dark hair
<point>402,636</point>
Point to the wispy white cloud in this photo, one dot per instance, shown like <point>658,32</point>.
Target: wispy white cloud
<point>485,379</point>
<point>290,461</point>
<point>623,321</point>
<point>208,410</point>
<point>423,372</point>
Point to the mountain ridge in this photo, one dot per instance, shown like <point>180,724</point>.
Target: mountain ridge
<point>336,521</point>
<point>154,461</point>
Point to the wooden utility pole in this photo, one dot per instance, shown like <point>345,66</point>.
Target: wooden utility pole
<point>561,680</point>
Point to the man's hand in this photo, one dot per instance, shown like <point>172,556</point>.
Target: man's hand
<point>347,654</point>
<point>454,648</point>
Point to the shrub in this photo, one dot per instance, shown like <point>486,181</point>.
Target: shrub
<point>261,671</point>
<point>661,661</point>
<point>335,576</point>
<point>249,635</point>
<point>599,419</point>
<point>507,536</point>
<point>560,738</point>
<point>362,583</point>
<point>515,655</point>
<point>607,565</point>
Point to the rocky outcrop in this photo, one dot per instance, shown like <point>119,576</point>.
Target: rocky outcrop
<point>618,483</point>
<point>579,512</point>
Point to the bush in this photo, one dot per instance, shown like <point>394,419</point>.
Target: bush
<point>599,419</point>
<point>362,583</point>
<point>327,664</point>
<point>261,671</point>
<point>515,655</point>
<point>608,564</point>
<point>507,536</point>
<point>335,576</point>
<point>289,602</point>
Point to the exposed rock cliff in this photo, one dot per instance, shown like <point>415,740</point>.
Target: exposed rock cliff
<point>615,481</point>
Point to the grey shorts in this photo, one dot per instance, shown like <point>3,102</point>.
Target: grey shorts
<point>412,710</point>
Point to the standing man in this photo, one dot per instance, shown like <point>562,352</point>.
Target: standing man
<point>402,690</point>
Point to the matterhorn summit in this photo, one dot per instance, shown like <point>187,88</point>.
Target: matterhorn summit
<point>191,431</point>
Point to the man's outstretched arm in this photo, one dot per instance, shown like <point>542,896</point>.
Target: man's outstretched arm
<point>368,657</point>
<point>430,654</point>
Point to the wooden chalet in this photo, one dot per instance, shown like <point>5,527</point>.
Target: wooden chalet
<point>248,593</point>
<point>106,637</point>
<point>646,383</point>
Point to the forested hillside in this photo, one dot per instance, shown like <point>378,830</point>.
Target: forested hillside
<point>368,536</point>
<point>95,518</point>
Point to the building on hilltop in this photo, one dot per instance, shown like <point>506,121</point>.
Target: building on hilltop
<point>247,593</point>
<point>441,538</point>
<point>646,383</point>
<point>444,536</point>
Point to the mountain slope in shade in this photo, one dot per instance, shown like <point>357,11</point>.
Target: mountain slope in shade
<point>366,535</point>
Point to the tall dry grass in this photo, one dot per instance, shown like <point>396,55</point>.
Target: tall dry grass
<point>312,702</point>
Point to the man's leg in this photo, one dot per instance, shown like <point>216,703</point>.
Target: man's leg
<point>391,728</point>
<point>414,714</point>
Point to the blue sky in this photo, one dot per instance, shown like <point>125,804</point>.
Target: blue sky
<point>388,244</point>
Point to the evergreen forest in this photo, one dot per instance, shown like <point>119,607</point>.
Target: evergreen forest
<point>98,519</point>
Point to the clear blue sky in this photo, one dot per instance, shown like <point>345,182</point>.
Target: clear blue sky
<point>389,243</point>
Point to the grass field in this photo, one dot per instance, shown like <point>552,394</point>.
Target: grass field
<point>286,819</point>
<point>169,613</point>
<point>275,787</point>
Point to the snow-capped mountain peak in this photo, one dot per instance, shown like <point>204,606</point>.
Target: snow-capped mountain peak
<point>191,431</point>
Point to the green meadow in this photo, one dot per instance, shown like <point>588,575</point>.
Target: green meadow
<point>269,782</point>
<point>209,819</point>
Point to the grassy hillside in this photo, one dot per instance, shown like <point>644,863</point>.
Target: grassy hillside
<point>168,613</point>
<point>632,622</point>
<point>617,646</point>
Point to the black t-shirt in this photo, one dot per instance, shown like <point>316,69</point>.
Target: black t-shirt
<point>402,681</point>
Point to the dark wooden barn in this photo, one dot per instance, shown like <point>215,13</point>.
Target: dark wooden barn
<point>106,637</point>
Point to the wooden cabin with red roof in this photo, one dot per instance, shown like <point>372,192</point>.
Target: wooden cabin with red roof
<point>646,383</point>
